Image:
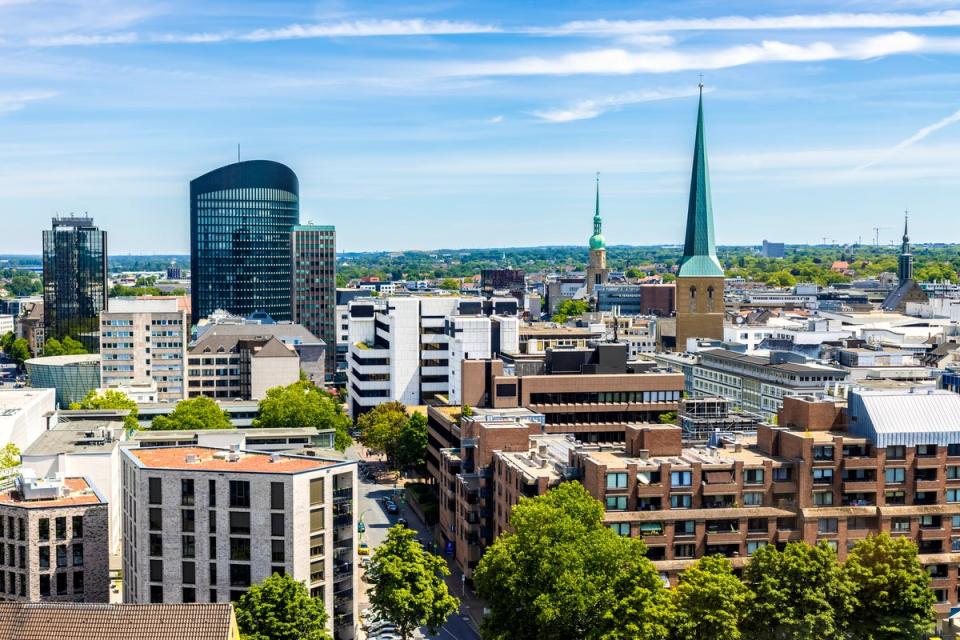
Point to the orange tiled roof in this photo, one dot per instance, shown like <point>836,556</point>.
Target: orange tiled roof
<point>80,493</point>
<point>249,462</point>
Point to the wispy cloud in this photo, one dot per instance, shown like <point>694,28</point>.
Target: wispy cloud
<point>622,61</point>
<point>354,29</point>
<point>766,23</point>
<point>16,101</point>
<point>912,140</point>
<point>586,109</point>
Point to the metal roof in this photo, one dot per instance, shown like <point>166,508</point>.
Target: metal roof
<point>905,416</point>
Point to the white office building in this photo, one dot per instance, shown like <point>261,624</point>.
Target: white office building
<point>411,349</point>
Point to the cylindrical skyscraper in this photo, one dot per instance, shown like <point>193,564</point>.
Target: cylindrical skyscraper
<point>241,216</point>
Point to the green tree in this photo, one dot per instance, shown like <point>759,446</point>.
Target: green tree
<point>892,590</point>
<point>632,273</point>
<point>407,584</point>
<point>192,414</point>
<point>449,284</point>
<point>709,602</point>
<point>381,429</point>
<point>281,608</point>
<point>302,404</point>
<point>9,456</point>
<point>561,573</point>
<point>7,341</point>
<point>110,399</point>
<point>569,309</point>
<point>412,445</point>
<point>668,417</point>
<point>798,594</point>
<point>65,347</point>
<point>668,277</point>
<point>19,351</point>
<point>782,278</point>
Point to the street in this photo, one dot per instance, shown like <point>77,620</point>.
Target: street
<point>376,520</point>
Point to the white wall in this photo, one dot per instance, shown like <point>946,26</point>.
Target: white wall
<point>27,420</point>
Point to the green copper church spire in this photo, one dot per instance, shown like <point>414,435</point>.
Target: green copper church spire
<point>699,253</point>
<point>596,240</point>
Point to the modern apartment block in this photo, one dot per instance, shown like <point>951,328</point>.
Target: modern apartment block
<point>53,535</point>
<point>241,216</point>
<point>74,279</point>
<point>203,524</point>
<point>231,365</point>
<point>142,340</point>
<point>313,293</point>
<point>412,349</point>
<point>759,383</point>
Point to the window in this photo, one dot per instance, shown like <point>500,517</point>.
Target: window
<point>77,524</point>
<point>188,546</point>
<point>752,498</point>
<point>156,519</point>
<point>616,481</point>
<point>684,550</point>
<point>277,551</point>
<point>239,494</point>
<point>44,527</point>
<point>239,575</point>
<point>78,581</point>
<point>926,450</point>
<point>823,452</point>
<point>156,544</point>
<point>316,491</point>
<point>681,501</point>
<point>213,573</point>
<point>684,527</point>
<point>77,555</point>
<point>45,585</point>
<point>895,475</point>
<point>953,450</point>
<point>276,495</point>
<point>61,556</point>
<point>754,545</point>
<point>212,493</point>
<point>240,522</point>
<point>823,498</point>
<point>212,521</point>
<point>753,476</point>
<point>953,472</point>
<point>186,493</point>
<point>895,497</point>
<point>240,548</point>
<point>189,595</point>
<point>681,478</point>
<point>156,495</point>
<point>188,520</point>
<point>823,476</point>
<point>213,547</point>
<point>827,525</point>
<point>156,571</point>
<point>276,524</point>
<point>156,593</point>
<point>621,528</point>
<point>901,525</point>
<point>61,528</point>
<point>44,557</point>
<point>953,495</point>
<point>189,572</point>
<point>896,452</point>
<point>616,503</point>
<point>781,474</point>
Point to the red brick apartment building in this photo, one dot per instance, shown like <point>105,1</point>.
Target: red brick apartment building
<point>884,460</point>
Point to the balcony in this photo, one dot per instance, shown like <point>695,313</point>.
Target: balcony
<point>858,486</point>
<point>649,490</point>
<point>784,486</point>
<point>927,462</point>
<point>721,488</point>
<point>859,463</point>
<point>788,535</point>
<point>342,495</point>
<point>927,485</point>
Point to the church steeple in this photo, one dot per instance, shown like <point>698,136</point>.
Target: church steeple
<point>596,240</point>
<point>699,252</point>
<point>905,263</point>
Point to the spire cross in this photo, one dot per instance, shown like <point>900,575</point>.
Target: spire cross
<point>700,85</point>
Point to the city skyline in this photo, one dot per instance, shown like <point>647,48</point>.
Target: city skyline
<point>422,121</point>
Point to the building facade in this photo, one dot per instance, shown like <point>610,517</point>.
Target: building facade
<point>204,524</point>
<point>54,533</point>
<point>314,285</point>
<point>72,376</point>
<point>700,309</point>
<point>597,271</point>
<point>241,216</point>
<point>74,279</point>
<point>144,340</point>
<point>227,366</point>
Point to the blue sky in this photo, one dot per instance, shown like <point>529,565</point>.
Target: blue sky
<point>467,124</point>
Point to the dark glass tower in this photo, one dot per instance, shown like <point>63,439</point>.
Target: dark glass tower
<point>241,216</point>
<point>74,279</point>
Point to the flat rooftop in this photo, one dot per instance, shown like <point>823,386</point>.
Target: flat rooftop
<point>84,437</point>
<point>13,400</point>
<point>79,492</point>
<point>146,434</point>
<point>211,459</point>
<point>543,330</point>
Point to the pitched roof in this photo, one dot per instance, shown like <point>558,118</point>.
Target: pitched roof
<point>82,621</point>
<point>905,416</point>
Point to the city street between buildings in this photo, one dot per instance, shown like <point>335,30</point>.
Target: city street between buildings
<point>372,513</point>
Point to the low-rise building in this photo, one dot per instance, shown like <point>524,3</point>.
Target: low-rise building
<point>241,412</point>
<point>204,524</point>
<point>73,377</point>
<point>232,365</point>
<point>256,439</point>
<point>23,415</point>
<point>54,532</point>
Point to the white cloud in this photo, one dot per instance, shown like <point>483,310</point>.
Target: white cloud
<point>80,40</point>
<point>915,138</point>
<point>586,109</point>
<point>16,101</point>
<point>768,23</point>
<point>495,120</point>
<point>622,61</point>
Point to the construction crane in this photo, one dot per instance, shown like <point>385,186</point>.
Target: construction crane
<point>876,235</point>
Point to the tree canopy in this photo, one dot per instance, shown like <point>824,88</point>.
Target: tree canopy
<point>561,573</point>
<point>281,608</point>
<point>110,399</point>
<point>302,404</point>
<point>66,346</point>
<point>709,602</point>
<point>9,456</point>
<point>389,428</point>
<point>193,414</point>
<point>408,587</point>
<point>569,309</point>
<point>17,349</point>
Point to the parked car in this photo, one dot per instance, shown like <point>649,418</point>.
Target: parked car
<point>392,507</point>
<point>363,549</point>
<point>361,527</point>
<point>402,522</point>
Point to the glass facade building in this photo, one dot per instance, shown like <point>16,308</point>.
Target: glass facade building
<point>74,279</point>
<point>241,218</point>
<point>314,251</point>
<point>72,376</point>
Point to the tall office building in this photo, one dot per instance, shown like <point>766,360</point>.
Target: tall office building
<point>241,216</point>
<point>74,279</point>
<point>314,290</point>
<point>700,277</point>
